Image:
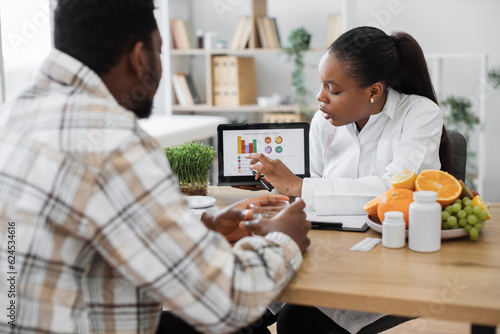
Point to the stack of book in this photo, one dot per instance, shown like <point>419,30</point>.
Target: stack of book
<point>234,80</point>
<point>241,36</point>
<point>181,35</point>
<point>267,31</point>
<point>185,90</point>
<point>334,28</point>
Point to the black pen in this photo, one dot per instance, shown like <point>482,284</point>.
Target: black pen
<point>264,184</point>
<point>326,226</point>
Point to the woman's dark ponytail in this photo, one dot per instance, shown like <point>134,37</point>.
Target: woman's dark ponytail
<point>370,56</point>
<point>414,77</point>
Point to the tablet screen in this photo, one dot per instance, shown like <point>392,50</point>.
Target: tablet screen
<point>288,142</point>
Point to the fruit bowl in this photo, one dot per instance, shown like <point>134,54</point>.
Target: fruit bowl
<point>376,225</point>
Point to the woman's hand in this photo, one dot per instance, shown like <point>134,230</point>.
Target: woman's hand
<point>226,221</point>
<point>276,173</point>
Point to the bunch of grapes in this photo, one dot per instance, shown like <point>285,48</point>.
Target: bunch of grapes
<point>464,214</point>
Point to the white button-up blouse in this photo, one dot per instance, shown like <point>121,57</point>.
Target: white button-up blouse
<point>348,168</point>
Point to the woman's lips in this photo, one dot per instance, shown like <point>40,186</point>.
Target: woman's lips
<point>325,114</point>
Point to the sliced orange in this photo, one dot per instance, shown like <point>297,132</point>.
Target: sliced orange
<point>478,200</point>
<point>372,206</point>
<point>404,179</point>
<point>446,185</point>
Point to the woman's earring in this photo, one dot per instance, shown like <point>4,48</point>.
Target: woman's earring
<point>372,100</point>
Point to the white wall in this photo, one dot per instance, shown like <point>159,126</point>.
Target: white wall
<point>440,26</point>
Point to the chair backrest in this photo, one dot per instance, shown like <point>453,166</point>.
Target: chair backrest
<point>459,148</point>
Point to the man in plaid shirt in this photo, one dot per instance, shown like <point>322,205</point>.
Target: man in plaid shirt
<point>103,236</point>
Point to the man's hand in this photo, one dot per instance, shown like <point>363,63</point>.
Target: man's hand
<point>227,221</point>
<point>291,221</point>
<point>276,173</point>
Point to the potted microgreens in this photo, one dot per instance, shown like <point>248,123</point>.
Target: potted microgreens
<point>191,163</point>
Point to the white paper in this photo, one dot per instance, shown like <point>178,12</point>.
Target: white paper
<point>350,221</point>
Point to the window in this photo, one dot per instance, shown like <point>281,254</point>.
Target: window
<point>25,42</point>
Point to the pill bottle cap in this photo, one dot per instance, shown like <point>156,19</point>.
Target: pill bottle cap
<point>393,217</point>
<point>425,196</point>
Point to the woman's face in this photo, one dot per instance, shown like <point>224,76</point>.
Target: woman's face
<point>341,99</point>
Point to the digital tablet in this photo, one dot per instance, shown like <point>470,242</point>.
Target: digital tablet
<point>288,142</point>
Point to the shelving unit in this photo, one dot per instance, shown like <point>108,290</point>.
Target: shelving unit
<point>257,8</point>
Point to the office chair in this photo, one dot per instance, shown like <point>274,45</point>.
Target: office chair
<point>459,148</point>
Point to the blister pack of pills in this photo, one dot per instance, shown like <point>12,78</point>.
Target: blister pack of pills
<point>366,244</point>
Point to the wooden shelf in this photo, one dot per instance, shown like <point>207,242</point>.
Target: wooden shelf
<point>258,8</point>
<point>242,108</point>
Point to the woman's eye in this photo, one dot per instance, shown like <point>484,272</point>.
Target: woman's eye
<point>333,91</point>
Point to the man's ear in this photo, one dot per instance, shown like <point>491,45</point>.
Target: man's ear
<point>137,60</point>
<point>376,91</point>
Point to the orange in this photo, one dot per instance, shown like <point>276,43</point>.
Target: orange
<point>372,206</point>
<point>478,200</point>
<point>404,179</point>
<point>395,200</point>
<point>446,185</point>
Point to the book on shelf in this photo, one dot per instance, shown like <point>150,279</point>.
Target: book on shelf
<point>180,34</point>
<point>184,89</point>
<point>276,32</point>
<point>261,33</point>
<point>267,31</point>
<point>234,80</point>
<point>334,28</point>
<point>192,89</point>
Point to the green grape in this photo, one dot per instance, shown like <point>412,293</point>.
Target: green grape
<point>483,215</point>
<point>478,226</point>
<point>468,210</point>
<point>462,222</point>
<point>456,207</point>
<point>445,226</point>
<point>469,203</point>
<point>455,227</point>
<point>452,221</point>
<point>477,209</point>
<point>458,200</point>
<point>445,215</point>
<point>461,214</point>
<point>472,220</point>
<point>467,227</point>
<point>465,199</point>
<point>448,209</point>
<point>473,234</point>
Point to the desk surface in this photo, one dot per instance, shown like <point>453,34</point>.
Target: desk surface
<point>461,282</point>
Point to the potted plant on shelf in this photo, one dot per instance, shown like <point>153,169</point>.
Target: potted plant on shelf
<point>191,163</point>
<point>296,44</point>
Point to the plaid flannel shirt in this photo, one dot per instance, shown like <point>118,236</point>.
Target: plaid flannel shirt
<point>103,236</point>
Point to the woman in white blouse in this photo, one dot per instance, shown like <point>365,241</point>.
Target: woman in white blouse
<point>378,115</point>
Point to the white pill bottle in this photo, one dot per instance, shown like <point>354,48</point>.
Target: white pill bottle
<point>424,230</point>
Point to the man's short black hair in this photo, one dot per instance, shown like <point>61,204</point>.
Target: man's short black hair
<point>99,32</point>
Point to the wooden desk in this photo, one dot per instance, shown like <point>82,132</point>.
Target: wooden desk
<point>461,282</point>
